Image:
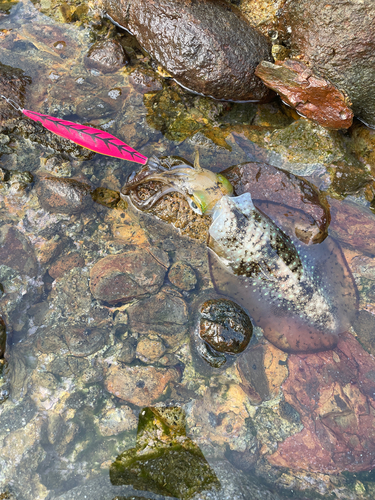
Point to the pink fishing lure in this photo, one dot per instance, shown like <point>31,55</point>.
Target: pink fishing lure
<point>88,137</point>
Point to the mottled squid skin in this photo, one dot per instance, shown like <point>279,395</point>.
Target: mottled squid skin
<point>302,296</point>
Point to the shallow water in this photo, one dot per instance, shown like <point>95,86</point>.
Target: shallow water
<point>83,362</point>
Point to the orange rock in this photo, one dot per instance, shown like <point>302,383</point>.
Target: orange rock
<point>139,385</point>
<point>122,277</point>
<point>312,96</point>
<point>333,391</point>
<point>64,264</point>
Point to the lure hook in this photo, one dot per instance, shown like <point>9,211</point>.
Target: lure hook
<point>12,103</point>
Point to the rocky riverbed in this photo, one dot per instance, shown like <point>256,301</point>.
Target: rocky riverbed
<point>99,302</point>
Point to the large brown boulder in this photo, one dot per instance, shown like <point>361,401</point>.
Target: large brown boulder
<point>207,46</point>
<point>337,40</point>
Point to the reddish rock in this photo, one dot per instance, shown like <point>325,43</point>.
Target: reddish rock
<point>208,46</point>
<point>139,385</point>
<point>312,96</point>
<point>269,186</point>
<point>16,252</point>
<point>107,56</point>
<point>336,39</point>
<point>353,225</point>
<point>63,196</point>
<point>334,393</point>
<point>150,350</point>
<point>64,264</point>
<point>123,277</point>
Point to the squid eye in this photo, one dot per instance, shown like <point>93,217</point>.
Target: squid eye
<point>195,207</point>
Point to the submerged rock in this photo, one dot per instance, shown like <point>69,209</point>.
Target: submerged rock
<point>16,251</point>
<point>206,46</point>
<point>164,460</point>
<point>333,392</point>
<point>63,196</point>
<point>64,264</point>
<point>269,186</point>
<point>183,276</point>
<point>107,56</point>
<point>224,328</point>
<point>139,385</point>
<point>3,339</point>
<point>13,83</point>
<point>123,277</point>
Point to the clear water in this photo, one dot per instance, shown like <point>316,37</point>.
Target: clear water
<point>80,370</point>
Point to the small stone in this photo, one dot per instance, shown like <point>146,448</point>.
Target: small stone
<point>182,275</point>
<point>225,326</point>
<point>116,420</point>
<point>64,196</point>
<point>150,350</point>
<point>16,252</point>
<point>145,81</point>
<point>107,56</point>
<point>312,96</point>
<point>84,341</point>
<point>57,166</point>
<point>139,385</point>
<point>93,108</point>
<point>127,353</point>
<point>164,315</point>
<point>123,277</point>
<point>106,197</point>
<point>65,264</point>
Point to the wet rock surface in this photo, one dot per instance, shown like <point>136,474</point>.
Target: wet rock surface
<point>224,326</point>
<point>61,429</point>
<point>339,385</point>
<point>313,97</point>
<point>267,183</point>
<point>341,55</point>
<point>123,277</point>
<point>16,252</point>
<point>206,59</point>
<point>64,264</point>
<point>63,196</point>
<point>107,56</point>
<point>182,276</point>
<point>13,84</point>
<point>172,465</point>
<point>139,385</point>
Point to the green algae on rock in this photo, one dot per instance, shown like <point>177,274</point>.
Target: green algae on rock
<point>164,461</point>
